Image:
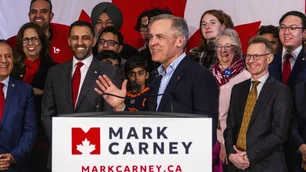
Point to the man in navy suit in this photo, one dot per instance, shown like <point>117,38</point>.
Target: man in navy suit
<point>192,88</point>
<point>17,116</point>
<point>289,64</point>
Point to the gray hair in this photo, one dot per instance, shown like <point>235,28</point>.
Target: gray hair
<point>233,35</point>
<point>262,40</point>
<point>179,25</point>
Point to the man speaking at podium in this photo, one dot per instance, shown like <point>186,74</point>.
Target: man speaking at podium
<point>192,88</point>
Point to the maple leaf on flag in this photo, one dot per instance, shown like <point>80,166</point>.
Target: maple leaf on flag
<point>86,148</point>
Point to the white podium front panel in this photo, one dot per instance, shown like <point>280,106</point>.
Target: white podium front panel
<point>90,144</point>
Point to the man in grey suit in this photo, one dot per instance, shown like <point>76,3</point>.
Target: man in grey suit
<point>70,86</point>
<point>259,115</point>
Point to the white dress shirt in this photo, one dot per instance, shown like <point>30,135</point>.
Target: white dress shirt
<point>295,53</point>
<point>262,81</point>
<point>83,69</point>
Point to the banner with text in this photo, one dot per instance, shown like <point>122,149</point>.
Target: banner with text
<point>131,144</point>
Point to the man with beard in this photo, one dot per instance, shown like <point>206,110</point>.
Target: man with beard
<point>106,14</point>
<point>41,14</point>
<point>70,86</point>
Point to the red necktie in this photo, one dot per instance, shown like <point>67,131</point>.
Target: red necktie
<point>2,100</point>
<point>286,68</point>
<point>76,82</point>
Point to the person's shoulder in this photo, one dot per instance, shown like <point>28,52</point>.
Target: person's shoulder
<point>194,66</point>
<point>20,85</point>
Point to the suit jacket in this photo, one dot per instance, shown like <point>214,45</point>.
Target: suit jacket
<point>298,129</point>
<point>268,126</point>
<point>18,127</point>
<point>192,88</point>
<point>57,98</point>
<point>298,73</point>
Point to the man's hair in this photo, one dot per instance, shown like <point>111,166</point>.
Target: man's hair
<point>4,41</point>
<point>158,11</point>
<point>270,29</point>
<point>143,14</point>
<point>43,52</point>
<point>49,1</point>
<point>113,30</point>
<point>109,54</point>
<point>294,13</point>
<point>82,24</point>
<point>261,40</point>
<point>134,62</point>
<point>179,25</point>
<point>233,35</point>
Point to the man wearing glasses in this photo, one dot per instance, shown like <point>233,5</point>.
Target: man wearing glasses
<point>111,39</point>
<point>289,63</point>
<point>289,66</point>
<point>259,115</point>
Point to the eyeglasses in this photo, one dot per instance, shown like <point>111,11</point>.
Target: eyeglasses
<point>290,28</point>
<point>138,73</point>
<point>254,56</point>
<point>34,39</point>
<point>144,28</point>
<point>227,47</point>
<point>109,42</point>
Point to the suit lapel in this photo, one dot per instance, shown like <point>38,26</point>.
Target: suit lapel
<point>9,98</point>
<point>90,79</point>
<point>263,97</point>
<point>177,76</point>
<point>297,68</point>
<point>66,81</point>
<point>154,87</point>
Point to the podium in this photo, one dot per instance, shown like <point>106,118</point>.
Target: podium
<point>131,142</point>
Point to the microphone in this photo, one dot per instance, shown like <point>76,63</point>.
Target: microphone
<point>136,87</point>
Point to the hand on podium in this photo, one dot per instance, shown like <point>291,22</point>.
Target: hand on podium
<point>110,91</point>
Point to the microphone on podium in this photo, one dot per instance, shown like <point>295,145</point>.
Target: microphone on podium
<point>137,87</point>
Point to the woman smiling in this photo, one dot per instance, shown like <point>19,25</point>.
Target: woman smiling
<point>228,71</point>
<point>31,64</point>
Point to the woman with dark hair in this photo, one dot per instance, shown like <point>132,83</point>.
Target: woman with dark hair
<point>211,23</point>
<point>228,71</point>
<point>31,64</point>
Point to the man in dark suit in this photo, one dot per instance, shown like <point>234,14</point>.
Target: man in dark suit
<point>289,64</point>
<point>298,128</point>
<point>192,88</point>
<point>70,86</point>
<point>259,115</point>
<point>18,128</point>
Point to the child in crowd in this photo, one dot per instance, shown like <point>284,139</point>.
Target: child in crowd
<point>110,57</point>
<point>136,70</point>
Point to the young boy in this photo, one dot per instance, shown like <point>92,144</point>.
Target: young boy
<point>110,57</point>
<point>136,71</point>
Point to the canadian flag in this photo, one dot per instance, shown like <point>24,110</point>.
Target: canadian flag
<point>246,15</point>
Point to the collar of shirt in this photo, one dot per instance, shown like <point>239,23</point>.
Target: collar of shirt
<point>86,62</point>
<point>6,81</point>
<point>262,81</point>
<point>162,71</point>
<point>295,53</point>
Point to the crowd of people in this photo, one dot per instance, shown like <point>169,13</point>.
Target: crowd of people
<point>256,100</point>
